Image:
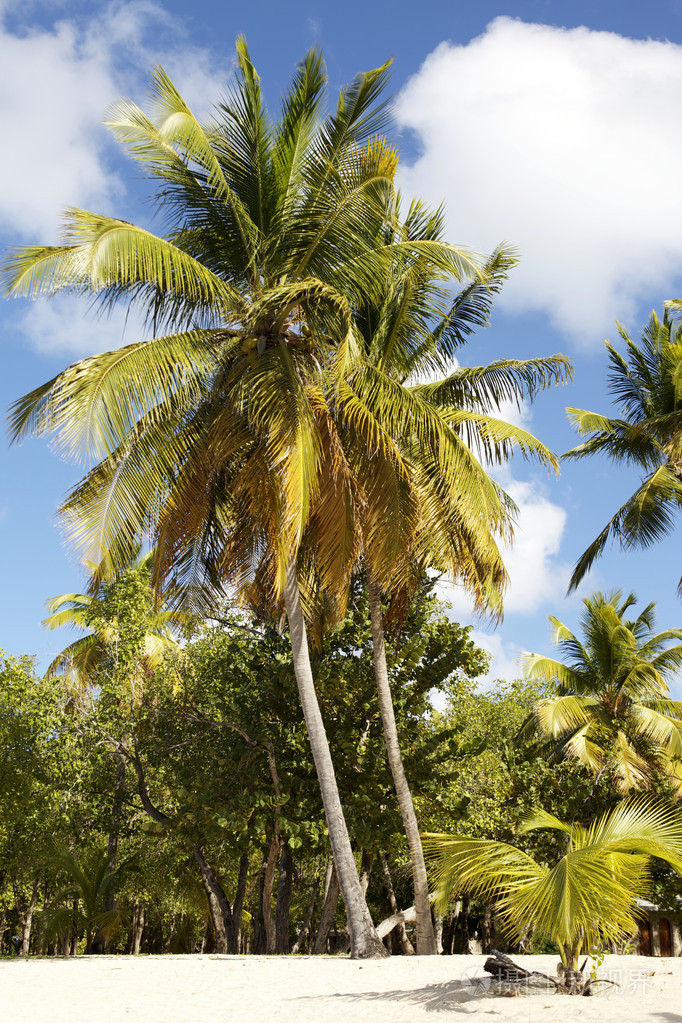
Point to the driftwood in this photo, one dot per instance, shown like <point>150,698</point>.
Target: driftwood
<point>403,917</point>
<point>569,982</point>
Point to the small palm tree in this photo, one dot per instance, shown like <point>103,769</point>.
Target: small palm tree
<point>647,386</point>
<point>584,900</point>
<point>79,907</point>
<point>613,711</point>
<point>85,612</point>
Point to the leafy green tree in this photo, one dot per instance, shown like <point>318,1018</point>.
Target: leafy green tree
<point>587,897</point>
<point>646,385</point>
<point>37,770</point>
<point>612,709</point>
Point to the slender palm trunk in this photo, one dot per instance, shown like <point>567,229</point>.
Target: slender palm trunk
<point>365,942</point>
<point>426,939</point>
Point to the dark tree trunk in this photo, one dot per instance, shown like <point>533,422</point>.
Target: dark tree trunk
<point>331,898</point>
<point>464,926</point>
<point>365,869</point>
<point>302,936</point>
<point>269,868</point>
<point>448,941</point>
<point>238,904</point>
<point>487,928</point>
<point>405,943</point>
<point>286,864</point>
<point>219,907</point>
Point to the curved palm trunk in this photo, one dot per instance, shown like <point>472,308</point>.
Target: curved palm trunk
<point>426,939</point>
<point>364,940</point>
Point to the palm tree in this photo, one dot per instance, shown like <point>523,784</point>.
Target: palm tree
<point>584,900</point>
<point>613,711</point>
<point>80,907</point>
<point>647,387</point>
<point>409,332</point>
<point>216,441</point>
<point>86,612</point>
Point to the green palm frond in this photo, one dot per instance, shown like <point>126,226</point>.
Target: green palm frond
<point>646,384</point>
<point>587,897</point>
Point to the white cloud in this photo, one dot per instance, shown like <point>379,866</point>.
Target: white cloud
<point>537,577</point>
<point>504,657</point>
<point>564,143</point>
<point>66,325</point>
<point>57,83</point>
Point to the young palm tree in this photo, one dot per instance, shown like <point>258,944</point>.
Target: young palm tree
<point>647,386</point>
<point>613,711</point>
<point>78,662</point>
<point>217,440</point>
<point>584,900</point>
<point>79,907</point>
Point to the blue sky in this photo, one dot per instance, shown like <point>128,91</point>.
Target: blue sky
<point>550,125</point>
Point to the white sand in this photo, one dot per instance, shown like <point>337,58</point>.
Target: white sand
<point>251,989</point>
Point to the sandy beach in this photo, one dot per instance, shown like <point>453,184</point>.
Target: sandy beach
<point>180,989</point>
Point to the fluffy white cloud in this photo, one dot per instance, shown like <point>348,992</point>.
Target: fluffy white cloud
<point>537,577</point>
<point>57,83</point>
<point>66,325</point>
<point>564,143</point>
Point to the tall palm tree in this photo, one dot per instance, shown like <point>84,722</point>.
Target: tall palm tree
<point>613,711</point>
<point>646,384</point>
<point>584,900</point>
<point>409,332</point>
<point>216,440</point>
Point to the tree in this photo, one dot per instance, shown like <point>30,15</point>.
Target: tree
<point>445,510</point>
<point>217,438</point>
<point>90,879</point>
<point>612,711</point>
<point>107,624</point>
<point>647,387</point>
<point>587,898</point>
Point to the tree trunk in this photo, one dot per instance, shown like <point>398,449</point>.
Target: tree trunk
<point>25,913</point>
<point>426,940</point>
<point>238,904</point>
<point>464,926</point>
<point>266,895</point>
<point>365,869</point>
<point>3,927</point>
<point>138,926</point>
<point>438,931</point>
<point>286,864</point>
<point>365,942</point>
<point>305,926</point>
<point>331,897</point>
<point>219,907</point>
<point>448,943</point>
<point>487,928</point>
<point>405,943</point>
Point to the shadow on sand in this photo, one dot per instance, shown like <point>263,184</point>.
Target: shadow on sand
<point>464,995</point>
